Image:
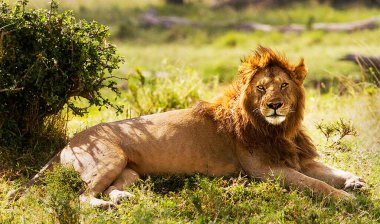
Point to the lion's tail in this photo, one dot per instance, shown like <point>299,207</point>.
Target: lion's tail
<point>16,194</point>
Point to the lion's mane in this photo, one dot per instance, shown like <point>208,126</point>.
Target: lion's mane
<point>233,114</point>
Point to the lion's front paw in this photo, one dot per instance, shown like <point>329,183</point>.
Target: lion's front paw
<point>117,196</point>
<point>342,195</point>
<point>353,183</point>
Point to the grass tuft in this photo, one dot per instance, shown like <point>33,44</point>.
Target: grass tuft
<point>63,186</point>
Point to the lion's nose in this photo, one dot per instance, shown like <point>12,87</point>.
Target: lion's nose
<point>275,105</point>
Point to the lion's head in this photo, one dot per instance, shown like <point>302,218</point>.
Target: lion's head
<point>263,109</point>
<point>272,88</point>
<point>267,96</point>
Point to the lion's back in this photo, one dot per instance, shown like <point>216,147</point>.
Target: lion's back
<point>178,141</point>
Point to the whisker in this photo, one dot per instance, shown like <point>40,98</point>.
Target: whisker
<point>256,112</point>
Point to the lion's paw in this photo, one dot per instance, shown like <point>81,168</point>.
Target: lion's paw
<point>354,183</point>
<point>96,202</point>
<point>116,196</point>
<point>342,195</point>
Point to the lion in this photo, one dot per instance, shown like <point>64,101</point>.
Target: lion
<point>254,128</point>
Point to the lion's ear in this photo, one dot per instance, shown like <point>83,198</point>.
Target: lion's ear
<point>300,72</point>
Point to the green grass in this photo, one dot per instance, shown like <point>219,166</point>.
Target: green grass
<point>195,65</point>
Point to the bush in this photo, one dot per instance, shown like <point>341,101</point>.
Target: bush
<point>46,59</point>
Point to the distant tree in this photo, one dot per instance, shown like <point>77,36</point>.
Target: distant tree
<point>343,3</point>
<point>175,2</point>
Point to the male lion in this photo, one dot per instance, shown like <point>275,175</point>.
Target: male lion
<point>254,128</point>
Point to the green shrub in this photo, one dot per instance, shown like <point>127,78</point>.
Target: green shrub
<point>46,59</point>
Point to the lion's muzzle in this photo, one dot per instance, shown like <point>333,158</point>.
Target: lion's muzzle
<point>275,105</point>
<point>274,112</point>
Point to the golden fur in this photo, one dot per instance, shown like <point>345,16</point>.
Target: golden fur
<point>254,127</point>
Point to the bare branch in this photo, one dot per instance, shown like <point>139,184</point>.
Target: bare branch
<point>11,90</point>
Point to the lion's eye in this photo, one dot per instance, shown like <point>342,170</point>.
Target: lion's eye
<point>283,85</point>
<point>261,88</point>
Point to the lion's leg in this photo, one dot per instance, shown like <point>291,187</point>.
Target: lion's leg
<point>296,179</point>
<point>333,176</point>
<point>99,164</point>
<point>253,166</point>
<point>126,178</point>
<point>115,191</point>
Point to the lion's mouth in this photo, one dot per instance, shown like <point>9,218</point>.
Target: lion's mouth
<point>275,119</point>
